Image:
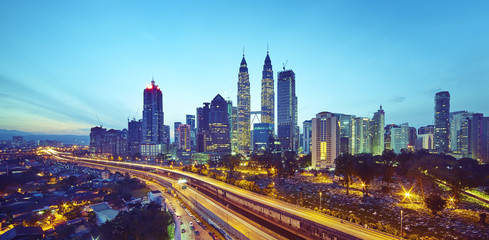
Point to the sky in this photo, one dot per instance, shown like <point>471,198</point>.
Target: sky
<point>67,66</point>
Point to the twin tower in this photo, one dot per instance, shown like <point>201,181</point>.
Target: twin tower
<point>243,105</point>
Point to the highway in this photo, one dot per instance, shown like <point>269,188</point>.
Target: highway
<point>237,221</point>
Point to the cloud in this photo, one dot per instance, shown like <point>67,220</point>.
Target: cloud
<point>397,100</point>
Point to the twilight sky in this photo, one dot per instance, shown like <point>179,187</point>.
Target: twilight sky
<point>63,64</point>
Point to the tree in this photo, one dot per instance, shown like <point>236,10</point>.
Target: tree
<point>290,164</point>
<point>147,222</point>
<point>465,174</point>
<point>435,203</point>
<point>305,161</point>
<point>365,168</point>
<point>231,162</point>
<point>345,167</point>
<point>389,161</point>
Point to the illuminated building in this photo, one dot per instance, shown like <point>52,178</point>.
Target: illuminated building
<point>243,108</point>
<point>115,143</point>
<point>262,137</point>
<point>346,126</point>
<point>425,141</point>
<point>233,126</point>
<point>287,111</point>
<point>360,135</point>
<point>426,129</point>
<point>220,141</point>
<point>399,137</point>
<point>442,122</point>
<point>267,92</point>
<point>325,145</point>
<point>153,114</point>
<point>166,134</point>
<point>184,142</point>
<point>202,127</point>
<point>190,120</point>
<point>96,139</point>
<point>176,136</point>
<point>307,135</point>
<point>134,136</point>
<point>466,134</point>
<point>412,137</point>
<point>377,132</point>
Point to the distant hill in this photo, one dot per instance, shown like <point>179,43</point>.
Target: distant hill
<point>66,139</point>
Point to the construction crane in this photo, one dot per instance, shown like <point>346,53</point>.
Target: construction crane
<point>285,64</point>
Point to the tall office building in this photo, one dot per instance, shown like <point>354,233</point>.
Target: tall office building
<point>176,135</point>
<point>287,111</point>
<point>134,136</point>
<point>96,139</point>
<point>115,143</point>
<point>442,122</point>
<point>267,93</point>
<point>484,157</point>
<point>166,134</point>
<point>184,141</point>
<point>233,126</point>
<point>190,120</point>
<point>262,137</point>
<point>325,145</point>
<point>360,135</point>
<point>429,129</point>
<point>243,108</point>
<point>219,126</point>
<point>425,141</point>
<point>346,125</point>
<point>399,137</point>
<point>202,127</point>
<point>377,132</point>
<point>307,135</point>
<point>153,114</point>
<point>466,134</point>
<point>412,137</point>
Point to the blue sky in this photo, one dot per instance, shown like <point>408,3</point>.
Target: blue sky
<point>63,64</point>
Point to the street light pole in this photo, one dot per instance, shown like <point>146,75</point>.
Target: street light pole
<point>401,224</point>
<point>320,202</point>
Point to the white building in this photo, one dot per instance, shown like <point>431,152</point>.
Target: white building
<point>103,212</point>
<point>400,137</point>
<point>325,145</point>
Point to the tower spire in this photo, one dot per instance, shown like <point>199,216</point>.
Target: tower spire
<point>267,47</point>
<point>153,80</point>
<point>243,50</point>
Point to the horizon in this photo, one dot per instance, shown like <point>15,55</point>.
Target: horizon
<point>66,68</point>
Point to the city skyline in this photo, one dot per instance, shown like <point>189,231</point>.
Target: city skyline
<point>63,76</point>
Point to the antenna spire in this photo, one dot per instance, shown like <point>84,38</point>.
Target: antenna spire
<point>243,50</point>
<point>267,47</point>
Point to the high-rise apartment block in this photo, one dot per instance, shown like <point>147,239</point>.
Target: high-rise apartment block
<point>287,111</point>
<point>442,122</point>
<point>377,132</point>
<point>399,137</point>
<point>325,145</point>
<point>307,136</point>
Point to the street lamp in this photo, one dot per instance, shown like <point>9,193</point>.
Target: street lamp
<point>320,202</point>
<point>401,223</point>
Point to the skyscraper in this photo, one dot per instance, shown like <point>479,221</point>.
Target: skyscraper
<point>267,92</point>
<point>377,132</point>
<point>153,114</point>
<point>202,127</point>
<point>325,145</point>
<point>176,135</point>
<point>262,137</point>
<point>399,137</point>
<point>243,108</point>
<point>307,135</point>
<point>184,142</point>
<point>219,126</point>
<point>190,120</point>
<point>233,126</point>
<point>442,122</point>
<point>134,136</point>
<point>287,111</point>
<point>360,135</point>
